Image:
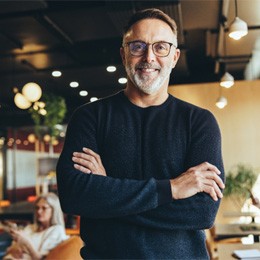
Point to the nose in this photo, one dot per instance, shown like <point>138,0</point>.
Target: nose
<point>149,56</point>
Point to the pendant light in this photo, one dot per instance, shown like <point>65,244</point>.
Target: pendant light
<point>227,80</point>
<point>32,91</point>
<point>221,102</point>
<point>238,27</point>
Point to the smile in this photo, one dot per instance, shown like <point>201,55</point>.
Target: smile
<point>147,70</point>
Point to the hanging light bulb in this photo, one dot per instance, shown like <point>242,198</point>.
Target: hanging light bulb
<point>238,27</point>
<point>221,102</point>
<point>32,91</point>
<point>227,80</point>
<point>31,138</point>
<point>21,101</point>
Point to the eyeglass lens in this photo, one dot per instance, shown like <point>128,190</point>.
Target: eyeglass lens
<point>42,208</point>
<point>160,49</point>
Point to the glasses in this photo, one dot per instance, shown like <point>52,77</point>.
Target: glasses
<point>160,49</point>
<point>44,208</point>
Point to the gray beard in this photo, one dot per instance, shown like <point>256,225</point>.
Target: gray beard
<point>145,84</point>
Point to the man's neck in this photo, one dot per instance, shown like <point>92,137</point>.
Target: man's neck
<point>142,99</point>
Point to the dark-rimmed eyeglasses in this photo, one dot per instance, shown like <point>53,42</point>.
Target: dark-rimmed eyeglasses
<point>160,49</point>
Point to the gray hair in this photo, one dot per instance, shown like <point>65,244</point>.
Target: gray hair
<point>53,201</point>
<point>151,13</point>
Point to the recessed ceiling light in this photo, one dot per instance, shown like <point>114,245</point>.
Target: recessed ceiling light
<point>111,68</point>
<point>74,84</point>
<point>83,93</point>
<point>122,80</point>
<point>56,73</point>
<point>93,99</point>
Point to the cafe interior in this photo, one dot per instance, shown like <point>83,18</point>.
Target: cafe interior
<point>58,55</point>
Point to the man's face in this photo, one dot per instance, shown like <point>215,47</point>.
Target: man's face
<point>148,72</point>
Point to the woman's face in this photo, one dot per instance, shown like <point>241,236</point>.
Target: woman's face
<point>43,212</point>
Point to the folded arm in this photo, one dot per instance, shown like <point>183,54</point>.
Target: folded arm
<point>199,185</point>
<point>159,203</point>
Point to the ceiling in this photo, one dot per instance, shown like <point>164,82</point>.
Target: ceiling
<point>81,38</point>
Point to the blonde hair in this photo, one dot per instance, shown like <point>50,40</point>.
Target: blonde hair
<point>53,201</point>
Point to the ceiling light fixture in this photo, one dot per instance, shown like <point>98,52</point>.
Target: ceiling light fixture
<point>93,99</point>
<point>32,91</point>
<point>56,73</point>
<point>122,80</point>
<point>21,102</point>
<point>111,68</point>
<point>74,84</point>
<point>227,80</point>
<point>83,93</point>
<point>238,27</point>
<point>221,102</point>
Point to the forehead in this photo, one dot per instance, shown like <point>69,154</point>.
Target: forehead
<point>42,202</point>
<point>150,30</point>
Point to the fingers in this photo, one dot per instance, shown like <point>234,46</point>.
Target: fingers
<point>211,183</point>
<point>84,162</point>
<point>82,169</point>
<point>205,167</point>
<point>212,176</point>
<point>92,153</point>
<point>210,187</point>
<point>88,162</point>
<point>15,234</point>
<point>201,178</point>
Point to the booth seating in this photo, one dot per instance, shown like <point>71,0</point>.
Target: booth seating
<point>67,250</point>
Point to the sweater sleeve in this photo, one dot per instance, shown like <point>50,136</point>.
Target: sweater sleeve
<point>198,211</point>
<point>95,196</point>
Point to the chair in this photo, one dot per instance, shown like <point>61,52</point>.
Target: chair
<point>67,250</point>
<point>212,244</point>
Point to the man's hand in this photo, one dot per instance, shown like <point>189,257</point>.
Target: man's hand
<point>88,162</point>
<point>200,178</point>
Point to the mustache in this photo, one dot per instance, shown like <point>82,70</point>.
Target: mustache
<point>145,65</point>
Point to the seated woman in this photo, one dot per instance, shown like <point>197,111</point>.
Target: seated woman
<point>36,240</point>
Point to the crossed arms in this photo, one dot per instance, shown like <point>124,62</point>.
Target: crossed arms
<point>190,200</point>
<point>201,178</point>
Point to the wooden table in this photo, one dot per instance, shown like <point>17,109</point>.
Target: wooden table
<point>225,250</point>
<point>235,214</point>
<point>237,230</point>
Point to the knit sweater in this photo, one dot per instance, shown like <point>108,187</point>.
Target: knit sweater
<point>130,214</point>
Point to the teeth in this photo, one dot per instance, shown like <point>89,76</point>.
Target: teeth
<point>148,70</point>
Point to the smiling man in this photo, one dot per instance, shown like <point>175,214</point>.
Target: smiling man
<point>142,168</point>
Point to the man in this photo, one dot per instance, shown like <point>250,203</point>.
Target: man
<point>142,168</point>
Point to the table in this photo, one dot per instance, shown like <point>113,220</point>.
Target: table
<point>23,210</point>
<point>225,250</point>
<point>237,230</point>
<point>232,214</point>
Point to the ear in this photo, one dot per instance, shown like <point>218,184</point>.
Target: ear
<point>122,54</point>
<point>176,57</point>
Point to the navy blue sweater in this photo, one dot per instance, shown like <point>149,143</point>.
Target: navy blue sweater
<point>131,214</point>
